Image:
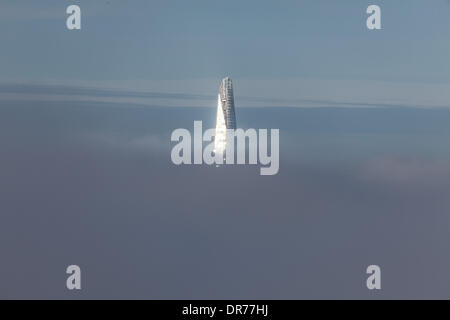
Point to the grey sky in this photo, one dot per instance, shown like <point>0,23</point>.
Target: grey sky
<point>93,185</point>
<point>304,50</point>
<point>85,170</point>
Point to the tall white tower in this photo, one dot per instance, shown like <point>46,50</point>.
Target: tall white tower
<point>226,118</point>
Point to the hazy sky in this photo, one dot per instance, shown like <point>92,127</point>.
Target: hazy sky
<point>85,170</point>
<point>92,184</point>
<point>304,50</point>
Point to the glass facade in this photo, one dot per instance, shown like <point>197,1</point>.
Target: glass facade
<point>226,118</point>
<point>227,99</point>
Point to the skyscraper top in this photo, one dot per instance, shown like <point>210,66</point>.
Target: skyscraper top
<point>226,118</point>
<point>227,100</point>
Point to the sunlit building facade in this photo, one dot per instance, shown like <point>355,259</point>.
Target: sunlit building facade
<point>226,117</point>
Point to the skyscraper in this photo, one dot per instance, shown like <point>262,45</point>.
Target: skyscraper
<point>226,118</point>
